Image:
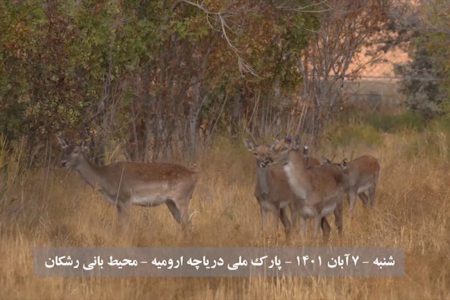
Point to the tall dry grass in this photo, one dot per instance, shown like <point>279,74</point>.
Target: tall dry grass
<point>54,208</point>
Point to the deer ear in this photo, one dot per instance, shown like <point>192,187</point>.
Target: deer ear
<point>62,141</point>
<point>250,146</point>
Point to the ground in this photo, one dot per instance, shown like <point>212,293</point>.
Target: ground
<point>52,207</point>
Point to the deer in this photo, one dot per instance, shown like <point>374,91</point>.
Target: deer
<point>286,144</point>
<point>362,175</point>
<point>321,187</point>
<point>125,183</point>
<point>272,189</point>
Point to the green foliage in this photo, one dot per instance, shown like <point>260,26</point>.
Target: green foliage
<point>442,124</point>
<point>425,139</point>
<point>97,66</point>
<point>58,60</point>
<point>352,134</point>
<point>408,120</point>
<point>427,76</point>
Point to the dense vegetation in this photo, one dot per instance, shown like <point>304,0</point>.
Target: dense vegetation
<point>427,77</point>
<point>145,76</point>
<point>156,79</point>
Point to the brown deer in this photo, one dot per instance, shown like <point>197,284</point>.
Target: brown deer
<point>320,187</point>
<point>272,188</point>
<point>280,146</point>
<point>362,176</point>
<point>130,183</point>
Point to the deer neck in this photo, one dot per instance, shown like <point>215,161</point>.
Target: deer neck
<point>296,174</point>
<point>262,177</point>
<point>90,173</point>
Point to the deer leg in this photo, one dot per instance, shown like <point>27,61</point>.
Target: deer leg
<point>317,223</point>
<point>294,214</point>
<point>371,200</point>
<point>183,208</point>
<point>277,212</point>
<point>179,211</point>
<point>174,210</point>
<point>338,217</point>
<point>364,198</point>
<point>123,210</point>
<point>302,227</point>
<point>263,217</point>
<point>285,220</point>
<point>325,228</point>
<point>352,200</point>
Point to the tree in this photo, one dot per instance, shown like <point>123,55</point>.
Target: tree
<point>426,80</point>
<point>141,74</point>
<point>346,29</point>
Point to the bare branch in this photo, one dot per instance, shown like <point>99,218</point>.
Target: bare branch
<point>243,65</point>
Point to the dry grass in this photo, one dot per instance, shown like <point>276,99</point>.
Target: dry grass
<point>50,207</point>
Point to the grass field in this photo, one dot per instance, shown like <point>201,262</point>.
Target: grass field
<point>53,207</point>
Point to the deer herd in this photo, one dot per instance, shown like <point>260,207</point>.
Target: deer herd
<point>290,184</point>
<point>288,178</point>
